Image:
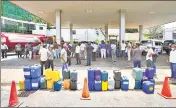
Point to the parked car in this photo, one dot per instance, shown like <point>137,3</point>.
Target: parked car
<point>167,45</point>
<point>154,43</point>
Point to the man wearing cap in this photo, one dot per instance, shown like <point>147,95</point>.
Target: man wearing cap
<point>149,58</point>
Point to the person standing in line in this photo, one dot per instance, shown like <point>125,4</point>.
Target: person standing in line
<point>77,54</point>
<point>173,61</point>
<point>73,49</point>
<point>94,53</point>
<point>89,49</point>
<point>30,49</point>
<point>149,55</point>
<point>50,61</point>
<point>43,54</point>
<point>103,49</point>
<point>123,46</point>
<point>137,55</point>
<point>69,54</point>
<point>129,46</point>
<point>56,50</point>
<point>4,49</point>
<point>18,49</point>
<point>64,55</point>
<point>82,48</point>
<point>113,51</point>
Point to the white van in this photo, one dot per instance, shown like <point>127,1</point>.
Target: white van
<point>157,44</point>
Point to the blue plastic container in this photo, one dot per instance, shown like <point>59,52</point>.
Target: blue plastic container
<point>97,75</point>
<point>35,71</point>
<point>27,85</point>
<point>138,84</point>
<point>150,73</point>
<point>148,87</point>
<point>97,86</point>
<point>27,72</point>
<point>118,54</point>
<point>57,85</point>
<point>104,76</point>
<point>91,85</point>
<point>35,83</point>
<point>124,83</point>
<point>91,75</point>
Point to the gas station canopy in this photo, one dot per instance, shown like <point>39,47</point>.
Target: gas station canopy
<point>95,14</point>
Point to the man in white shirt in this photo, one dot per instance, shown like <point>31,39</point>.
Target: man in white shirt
<point>82,48</point>
<point>123,46</point>
<point>113,51</point>
<point>173,61</point>
<point>43,58</point>
<point>77,54</point>
<point>4,49</point>
<point>129,51</point>
<point>149,58</point>
<point>94,52</point>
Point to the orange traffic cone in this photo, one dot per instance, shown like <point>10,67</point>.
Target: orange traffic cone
<point>85,91</point>
<point>13,95</point>
<point>166,92</point>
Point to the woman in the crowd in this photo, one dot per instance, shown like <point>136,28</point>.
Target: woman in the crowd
<point>103,49</point>
<point>136,56</point>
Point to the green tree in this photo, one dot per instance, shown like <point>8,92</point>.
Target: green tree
<point>131,30</point>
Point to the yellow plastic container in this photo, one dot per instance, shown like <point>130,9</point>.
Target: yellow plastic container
<point>21,85</point>
<point>104,85</point>
<point>55,76</point>
<point>49,84</point>
<point>48,74</point>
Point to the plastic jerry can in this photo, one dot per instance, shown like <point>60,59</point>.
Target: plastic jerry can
<point>35,71</point>
<point>55,76</point>
<point>57,85</point>
<point>48,74</point>
<point>35,83</point>
<point>117,75</point>
<point>73,85</point>
<point>43,83</point>
<point>150,73</point>
<point>66,74</point>
<point>104,85</point>
<point>73,75</point>
<point>98,86</point>
<point>91,85</point>
<point>97,75</point>
<point>118,54</point>
<point>66,84</point>
<point>104,76</point>
<point>148,87</point>
<point>49,84</point>
<point>21,85</point>
<point>138,84</point>
<point>117,84</point>
<point>91,75</point>
<point>27,84</point>
<point>124,83</point>
<point>111,84</point>
<point>137,73</point>
<point>27,72</point>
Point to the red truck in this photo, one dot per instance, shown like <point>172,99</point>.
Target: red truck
<point>11,39</point>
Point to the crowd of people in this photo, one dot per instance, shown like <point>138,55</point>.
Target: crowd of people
<point>89,51</point>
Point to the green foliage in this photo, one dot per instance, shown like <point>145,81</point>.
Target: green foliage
<point>131,30</point>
